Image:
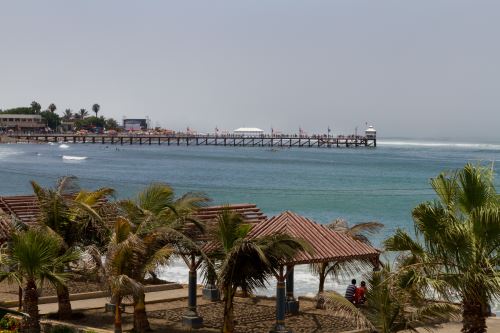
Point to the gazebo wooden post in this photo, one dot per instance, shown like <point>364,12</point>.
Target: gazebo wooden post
<point>292,305</point>
<point>191,318</point>
<point>279,327</point>
<point>376,264</point>
<point>210,291</point>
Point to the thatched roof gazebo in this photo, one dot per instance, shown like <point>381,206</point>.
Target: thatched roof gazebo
<point>250,214</point>
<point>326,246</point>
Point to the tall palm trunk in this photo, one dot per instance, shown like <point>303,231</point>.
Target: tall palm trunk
<point>63,301</point>
<point>228,310</point>
<point>20,298</point>
<point>118,315</point>
<point>322,277</point>
<point>473,320</point>
<point>141,322</point>
<point>31,324</point>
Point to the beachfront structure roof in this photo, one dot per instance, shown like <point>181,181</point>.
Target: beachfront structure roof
<point>248,130</point>
<point>23,207</point>
<point>370,129</point>
<point>26,209</point>
<point>5,228</point>
<point>250,213</point>
<point>35,117</point>
<point>326,245</point>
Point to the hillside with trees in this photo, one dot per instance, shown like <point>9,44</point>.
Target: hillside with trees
<point>76,120</point>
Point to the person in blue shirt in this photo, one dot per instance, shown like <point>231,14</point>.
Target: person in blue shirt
<point>350,291</point>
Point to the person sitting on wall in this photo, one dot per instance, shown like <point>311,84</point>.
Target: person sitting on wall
<point>359,295</point>
<point>350,291</point>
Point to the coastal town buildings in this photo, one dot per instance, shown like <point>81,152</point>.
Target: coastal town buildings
<point>135,124</point>
<point>22,122</point>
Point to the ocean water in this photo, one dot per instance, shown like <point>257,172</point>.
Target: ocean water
<point>364,184</point>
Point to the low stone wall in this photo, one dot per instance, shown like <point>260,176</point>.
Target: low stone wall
<point>48,325</point>
<point>95,294</point>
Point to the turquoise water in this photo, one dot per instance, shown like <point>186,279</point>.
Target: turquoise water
<point>381,184</point>
<point>362,184</point>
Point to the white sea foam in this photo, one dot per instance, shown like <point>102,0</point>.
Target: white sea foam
<point>74,158</point>
<point>487,146</point>
<point>63,146</point>
<point>304,282</point>
<point>8,152</point>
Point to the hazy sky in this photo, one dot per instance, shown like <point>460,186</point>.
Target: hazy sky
<point>411,68</point>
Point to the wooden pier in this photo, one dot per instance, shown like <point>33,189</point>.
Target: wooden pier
<point>281,141</point>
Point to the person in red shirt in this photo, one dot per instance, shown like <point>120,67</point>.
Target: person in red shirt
<point>359,295</point>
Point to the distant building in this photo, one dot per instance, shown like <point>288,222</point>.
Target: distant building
<point>248,131</point>
<point>371,133</point>
<point>135,124</point>
<point>22,122</point>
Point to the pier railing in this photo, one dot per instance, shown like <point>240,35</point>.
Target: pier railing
<point>316,141</point>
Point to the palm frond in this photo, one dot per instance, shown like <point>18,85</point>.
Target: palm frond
<point>67,185</point>
<point>339,305</point>
<point>433,312</point>
<point>401,241</point>
<point>160,257</point>
<point>122,285</point>
<point>155,197</point>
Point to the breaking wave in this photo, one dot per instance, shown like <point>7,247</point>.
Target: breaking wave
<point>402,143</point>
<point>74,158</point>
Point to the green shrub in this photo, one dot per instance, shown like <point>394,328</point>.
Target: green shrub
<point>9,324</point>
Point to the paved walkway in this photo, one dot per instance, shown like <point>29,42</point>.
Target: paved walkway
<point>95,303</point>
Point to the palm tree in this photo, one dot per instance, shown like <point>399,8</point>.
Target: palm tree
<point>76,216</point>
<point>96,108</point>
<point>124,248</point>
<point>455,251</point>
<point>158,221</point>
<point>68,114</point>
<point>358,232</point>
<point>391,306</point>
<point>247,263</point>
<point>34,257</point>
<point>52,107</point>
<point>83,113</point>
<point>36,107</point>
